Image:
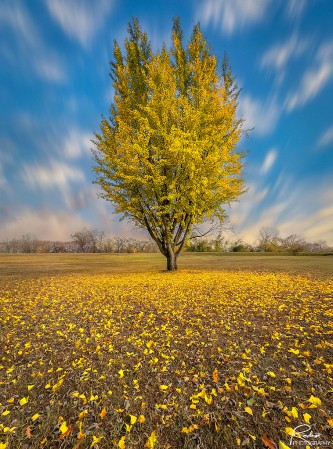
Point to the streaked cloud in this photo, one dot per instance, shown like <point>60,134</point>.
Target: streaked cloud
<point>15,16</point>
<point>56,174</point>
<point>278,56</point>
<point>80,19</point>
<point>45,223</point>
<point>50,70</point>
<point>27,46</point>
<point>77,144</point>
<point>294,8</point>
<point>263,115</point>
<point>232,15</point>
<point>326,138</point>
<point>3,180</point>
<point>288,209</point>
<point>269,161</point>
<point>314,79</point>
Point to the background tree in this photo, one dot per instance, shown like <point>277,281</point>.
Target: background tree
<point>268,239</point>
<point>293,244</point>
<point>167,158</point>
<point>28,243</point>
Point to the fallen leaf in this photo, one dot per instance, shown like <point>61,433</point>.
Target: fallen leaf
<point>249,410</point>
<point>268,442</point>
<point>151,440</point>
<point>28,431</point>
<point>283,446</point>
<point>121,443</point>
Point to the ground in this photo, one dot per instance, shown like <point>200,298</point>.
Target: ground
<point>113,351</point>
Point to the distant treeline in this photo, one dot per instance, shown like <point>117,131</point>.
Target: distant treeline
<point>93,241</point>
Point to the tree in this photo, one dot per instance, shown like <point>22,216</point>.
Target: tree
<point>268,239</point>
<point>294,243</point>
<point>89,241</point>
<point>167,157</point>
<point>28,243</point>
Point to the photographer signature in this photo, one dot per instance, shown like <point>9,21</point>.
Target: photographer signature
<point>301,432</point>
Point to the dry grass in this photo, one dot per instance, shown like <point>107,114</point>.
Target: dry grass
<point>111,350</point>
<point>20,266</point>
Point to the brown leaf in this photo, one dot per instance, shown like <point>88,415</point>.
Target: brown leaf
<point>28,431</point>
<point>268,442</point>
<point>269,404</point>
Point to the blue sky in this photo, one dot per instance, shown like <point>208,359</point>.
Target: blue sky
<point>54,86</point>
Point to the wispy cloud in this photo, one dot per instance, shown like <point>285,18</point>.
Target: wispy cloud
<point>26,46</point>
<point>326,138</point>
<point>50,70</point>
<point>278,56</point>
<point>56,174</point>
<point>314,79</point>
<point>305,209</point>
<point>263,115</point>
<point>294,8</point>
<point>80,19</point>
<point>232,15</point>
<point>15,16</point>
<point>269,161</point>
<point>44,223</point>
<point>77,144</point>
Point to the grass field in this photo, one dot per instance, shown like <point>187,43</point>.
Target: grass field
<point>102,351</point>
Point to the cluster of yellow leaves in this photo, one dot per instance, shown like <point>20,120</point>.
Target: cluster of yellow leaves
<point>192,352</point>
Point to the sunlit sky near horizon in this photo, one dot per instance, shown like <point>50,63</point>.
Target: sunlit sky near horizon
<point>55,84</point>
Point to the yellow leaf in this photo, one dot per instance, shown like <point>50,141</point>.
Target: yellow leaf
<point>151,440</point>
<point>315,401</point>
<point>95,441</point>
<point>252,436</point>
<point>35,417</point>
<point>30,387</point>
<point>3,445</point>
<point>83,414</point>
<point>164,387</point>
<point>133,419</point>
<point>24,400</point>
<point>141,419</point>
<point>121,373</point>
<point>283,446</point>
<point>63,428</point>
<point>6,413</point>
<point>103,413</point>
<point>270,373</point>
<point>121,443</point>
<point>307,417</point>
<point>330,422</point>
<point>248,410</point>
<point>294,412</point>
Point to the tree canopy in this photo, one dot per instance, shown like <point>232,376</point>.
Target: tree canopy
<point>167,157</point>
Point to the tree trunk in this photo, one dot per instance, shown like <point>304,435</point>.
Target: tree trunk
<point>171,262</point>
